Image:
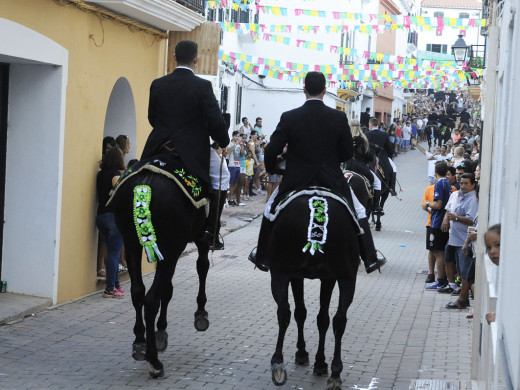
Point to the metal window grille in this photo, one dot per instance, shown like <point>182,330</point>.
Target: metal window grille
<point>194,5</point>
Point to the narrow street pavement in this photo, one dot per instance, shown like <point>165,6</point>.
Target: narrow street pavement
<point>396,332</point>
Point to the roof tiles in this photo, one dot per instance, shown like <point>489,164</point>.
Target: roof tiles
<point>470,4</point>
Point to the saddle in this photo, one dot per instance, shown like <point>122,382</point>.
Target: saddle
<point>318,209</point>
<point>369,188</point>
<point>171,166</point>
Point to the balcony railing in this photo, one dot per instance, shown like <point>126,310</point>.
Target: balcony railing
<point>194,5</point>
<point>413,37</point>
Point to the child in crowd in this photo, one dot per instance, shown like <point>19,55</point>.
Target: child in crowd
<point>250,172</point>
<point>492,240</point>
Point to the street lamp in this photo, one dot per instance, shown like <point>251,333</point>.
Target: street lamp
<point>460,50</point>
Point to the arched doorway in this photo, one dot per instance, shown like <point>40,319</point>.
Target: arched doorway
<point>120,118</point>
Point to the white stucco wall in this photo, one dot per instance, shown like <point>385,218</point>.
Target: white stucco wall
<point>34,163</point>
<point>449,34</point>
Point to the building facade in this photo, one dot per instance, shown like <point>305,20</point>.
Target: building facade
<point>496,346</point>
<point>72,73</point>
<point>441,40</point>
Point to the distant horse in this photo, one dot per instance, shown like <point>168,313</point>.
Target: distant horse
<point>385,175</point>
<point>333,256</point>
<point>176,222</point>
<point>444,135</point>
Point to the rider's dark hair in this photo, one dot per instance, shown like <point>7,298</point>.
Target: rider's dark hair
<point>185,52</point>
<point>314,83</point>
<point>373,122</point>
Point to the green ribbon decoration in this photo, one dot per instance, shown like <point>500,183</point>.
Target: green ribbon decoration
<point>143,223</point>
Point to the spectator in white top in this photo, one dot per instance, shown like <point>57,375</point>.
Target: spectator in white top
<point>246,127</point>
<point>406,136</point>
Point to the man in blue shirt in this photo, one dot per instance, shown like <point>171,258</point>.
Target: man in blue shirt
<point>438,238</point>
<point>461,217</point>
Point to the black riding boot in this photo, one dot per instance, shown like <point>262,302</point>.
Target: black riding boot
<point>393,178</point>
<point>367,249</point>
<point>376,201</point>
<point>213,221</point>
<point>258,256</point>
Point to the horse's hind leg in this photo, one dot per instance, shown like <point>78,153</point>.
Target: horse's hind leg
<point>300,315</point>
<point>201,315</point>
<point>137,291</point>
<point>280,291</point>
<point>164,275</point>
<point>339,323</point>
<point>323,320</point>
<point>158,296</point>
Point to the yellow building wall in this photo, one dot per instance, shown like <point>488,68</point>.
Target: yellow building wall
<point>100,52</point>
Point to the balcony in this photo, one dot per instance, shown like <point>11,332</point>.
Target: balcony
<point>411,46</point>
<point>165,15</point>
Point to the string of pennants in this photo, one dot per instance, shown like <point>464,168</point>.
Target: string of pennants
<point>247,28</point>
<point>350,77</point>
<point>394,63</point>
<point>388,21</point>
<point>318,46</point>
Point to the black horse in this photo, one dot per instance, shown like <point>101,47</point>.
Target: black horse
<point>176,222</point>
<point>444,134</point>
<point>363,191</point>
<point>385,176</point>
<point>334,261</point>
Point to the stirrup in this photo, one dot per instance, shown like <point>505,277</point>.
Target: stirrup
<point>252,259</point>
<point>380,261</point>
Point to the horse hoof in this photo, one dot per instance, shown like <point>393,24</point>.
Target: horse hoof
<point>161,340</point>
<point>334,384</point>
<point>302,358</point>
<point>201,321</point>
<point>321,369</point>
<point>278,374</point>
<point>138,351</point>
<point>155,373</point>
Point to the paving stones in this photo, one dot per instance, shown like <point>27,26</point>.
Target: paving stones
<point>395,333</point>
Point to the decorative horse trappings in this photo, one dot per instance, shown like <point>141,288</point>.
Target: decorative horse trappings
<point>317,231</point>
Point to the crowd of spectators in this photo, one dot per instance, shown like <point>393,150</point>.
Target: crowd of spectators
<point>245,159</point>
<point>451,125</point>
